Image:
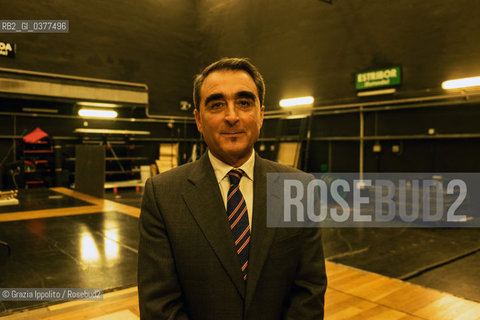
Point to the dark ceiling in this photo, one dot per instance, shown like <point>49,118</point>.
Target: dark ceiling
<point>303,47</point>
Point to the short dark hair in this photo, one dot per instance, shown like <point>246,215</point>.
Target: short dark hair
<point>242,64</point>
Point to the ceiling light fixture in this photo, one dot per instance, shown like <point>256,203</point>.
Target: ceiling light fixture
<point>44,110</point>
<point>296,102</point>
<point>461,83</point>
<point>97,104</point>
<point>376,92</point>
<point>298,116</point>
<point>110,131</point>
<point>97,113</point>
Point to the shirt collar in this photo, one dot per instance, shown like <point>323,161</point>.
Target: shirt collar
<point>221,168</point>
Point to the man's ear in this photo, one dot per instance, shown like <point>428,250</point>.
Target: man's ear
<point>262,111</point>
<point>197,120</point>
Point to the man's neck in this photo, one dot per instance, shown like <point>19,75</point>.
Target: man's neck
<point>232,161</point>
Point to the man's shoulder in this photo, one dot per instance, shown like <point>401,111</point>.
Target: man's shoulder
<point>173,175</point>
<point>272,166</point>
<point>277,169</point>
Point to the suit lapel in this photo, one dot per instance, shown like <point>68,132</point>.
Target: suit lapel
<point>205,202</point>
<point>262,236</point>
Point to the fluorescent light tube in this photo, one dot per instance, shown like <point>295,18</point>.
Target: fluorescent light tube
<point>461,83</point>
<point>296,101</point>
<point>40,110</point>
<point>298,116</point>
<point>110,131</point>
<point>376,92</point>
<point>97,104</point>
<point>97,113</point>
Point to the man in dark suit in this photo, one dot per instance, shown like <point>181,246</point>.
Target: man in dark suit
<point>205,250</point>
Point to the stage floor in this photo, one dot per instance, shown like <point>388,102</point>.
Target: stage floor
<point>61,238</point>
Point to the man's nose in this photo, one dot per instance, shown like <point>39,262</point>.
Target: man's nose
<point>231,113</point>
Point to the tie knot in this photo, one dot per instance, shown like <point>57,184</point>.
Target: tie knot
<point>234,175</point>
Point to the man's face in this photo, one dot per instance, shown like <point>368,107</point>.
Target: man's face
<point>229,115</point>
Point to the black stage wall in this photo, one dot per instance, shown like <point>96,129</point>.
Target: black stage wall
<point>303,47</point>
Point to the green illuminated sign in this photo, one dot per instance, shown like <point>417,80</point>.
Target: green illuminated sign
<point>378,78</point>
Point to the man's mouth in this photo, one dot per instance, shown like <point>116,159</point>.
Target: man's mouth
<point>232,133</point>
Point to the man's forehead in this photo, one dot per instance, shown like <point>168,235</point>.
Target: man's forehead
<point>227,82</point>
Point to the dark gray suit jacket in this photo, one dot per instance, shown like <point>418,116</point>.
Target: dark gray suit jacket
<point>187,264</point>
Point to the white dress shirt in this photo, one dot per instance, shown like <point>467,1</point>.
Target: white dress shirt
<point>221,170</point>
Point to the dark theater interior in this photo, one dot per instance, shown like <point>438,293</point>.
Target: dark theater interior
<point>96,99</point>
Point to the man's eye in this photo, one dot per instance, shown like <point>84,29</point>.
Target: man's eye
<point>216,105</point>
<point>244,103</point>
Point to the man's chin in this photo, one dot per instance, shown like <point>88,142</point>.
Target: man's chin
<point>236,153</point>
<point>234,146</point>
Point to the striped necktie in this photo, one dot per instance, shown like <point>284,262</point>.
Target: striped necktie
<point>238,218</point>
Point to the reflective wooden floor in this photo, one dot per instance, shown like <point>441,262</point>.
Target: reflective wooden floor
<point>351,294</point>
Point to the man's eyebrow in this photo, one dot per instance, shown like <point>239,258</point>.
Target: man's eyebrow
<point>214,96</point>
<point>245,94</point>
